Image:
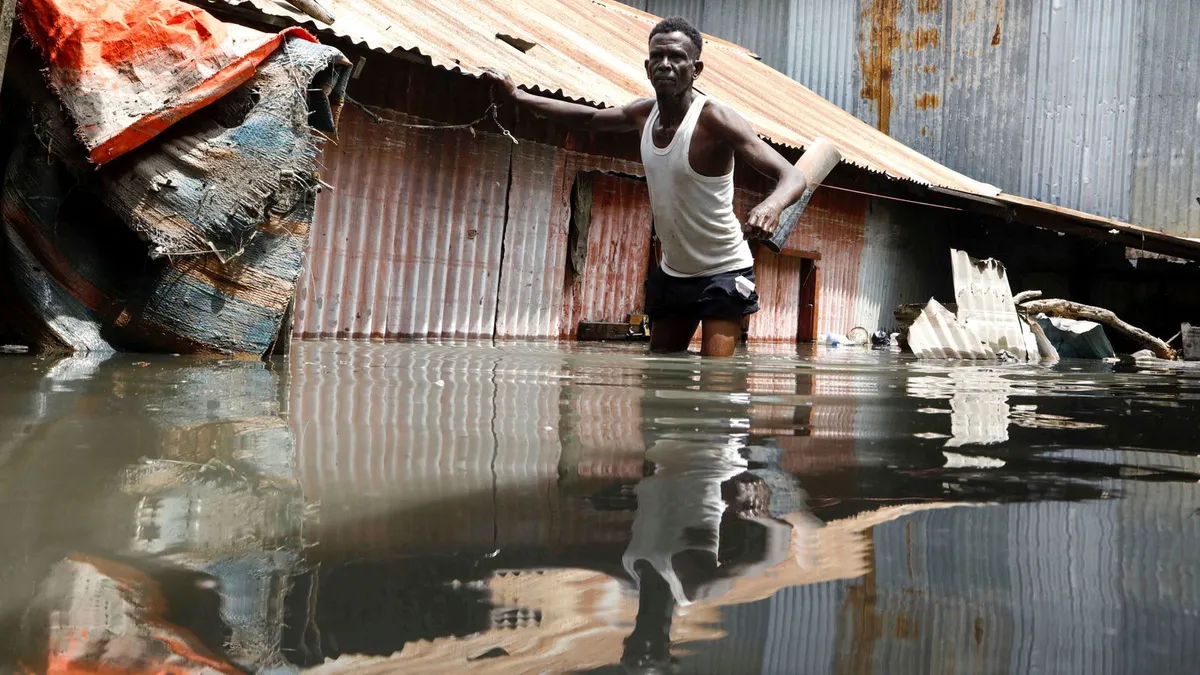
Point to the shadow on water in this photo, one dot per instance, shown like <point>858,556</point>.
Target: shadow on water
<point>449,508</point>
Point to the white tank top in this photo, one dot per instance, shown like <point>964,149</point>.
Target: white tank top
<point>684,493</point>
<point>693,214</point>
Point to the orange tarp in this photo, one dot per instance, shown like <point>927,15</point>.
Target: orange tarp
<point>128,69</point>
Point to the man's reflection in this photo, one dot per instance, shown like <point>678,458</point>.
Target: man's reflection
<point>701,522</point>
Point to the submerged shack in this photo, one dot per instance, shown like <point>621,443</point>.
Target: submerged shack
<point>460,232</point>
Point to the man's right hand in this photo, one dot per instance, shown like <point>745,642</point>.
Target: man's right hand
<point>501,82</point>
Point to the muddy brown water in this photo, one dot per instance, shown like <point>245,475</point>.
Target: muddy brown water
<point>445,508</point>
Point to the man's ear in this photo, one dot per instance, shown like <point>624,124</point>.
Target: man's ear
<point>699,68</point>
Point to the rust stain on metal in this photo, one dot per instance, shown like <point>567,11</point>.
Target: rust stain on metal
<point>929,6</point>
<point>999,23</point>
<point>926,38</point>
<point>875,57</point>
<point>927,101</point>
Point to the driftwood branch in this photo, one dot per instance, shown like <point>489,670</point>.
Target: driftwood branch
<point>1073,310</point>
<point>1026,296</point>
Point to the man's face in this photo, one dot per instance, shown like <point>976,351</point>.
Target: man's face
<point>673,64</point>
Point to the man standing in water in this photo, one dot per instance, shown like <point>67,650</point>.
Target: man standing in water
<point>689,143</point>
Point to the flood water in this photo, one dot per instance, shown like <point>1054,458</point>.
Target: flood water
<point>446,508</point>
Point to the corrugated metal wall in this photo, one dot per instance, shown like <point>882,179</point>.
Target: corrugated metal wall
<point>903,260</point>
<point>1089,104</point>
<point>409,242</point>
<point>438,233</point>
<point>834,225</point>
<point>531,280</point>
<point>778,281</point>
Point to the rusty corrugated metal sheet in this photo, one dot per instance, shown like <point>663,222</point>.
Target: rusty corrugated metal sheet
<point>834,225</point>
<point>593,51</point>
<point>612,284</point>
<point>1086,106</point>
<point>409,243</point>
<point>778,281</point>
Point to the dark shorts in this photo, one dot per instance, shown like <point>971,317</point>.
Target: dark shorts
<point>711,297</point>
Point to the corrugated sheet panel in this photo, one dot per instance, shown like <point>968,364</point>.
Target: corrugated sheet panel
<point>937,334</point>
<point>535,247</point>
<point>1166,165</point>
<point>612,285</point>
<point>409,243</point>
<point>822,50</point>
<point>758,25</point>
<point>593,51</point>
<point>778,280</point>
<point>834,225</point>
<point>1081,88</point>
<point>903,261</point>
<point>1090,106</point>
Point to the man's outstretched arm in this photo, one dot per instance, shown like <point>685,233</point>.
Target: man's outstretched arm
<point>749,148</point>
<point>626,118</point>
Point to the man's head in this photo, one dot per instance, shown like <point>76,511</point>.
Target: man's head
<point>674,62</point>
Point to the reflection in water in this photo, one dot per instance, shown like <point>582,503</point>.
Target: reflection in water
<point>430,508</point>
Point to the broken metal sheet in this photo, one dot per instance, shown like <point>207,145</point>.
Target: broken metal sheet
<point>937,334</point>
<point>985,303</point>
<point>1075,339</point>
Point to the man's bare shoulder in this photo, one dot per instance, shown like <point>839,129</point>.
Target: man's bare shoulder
<point>640,107</point>
<point>723,119</point>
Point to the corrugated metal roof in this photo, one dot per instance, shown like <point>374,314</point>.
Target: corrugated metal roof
<point>592,51</point>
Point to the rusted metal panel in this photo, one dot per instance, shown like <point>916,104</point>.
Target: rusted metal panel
<point>409,243</point>
<point>778,280</point>
<point>1090,106</point>
<point>612,285</point>
<point>535,247</point>
<point>834,226</point>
